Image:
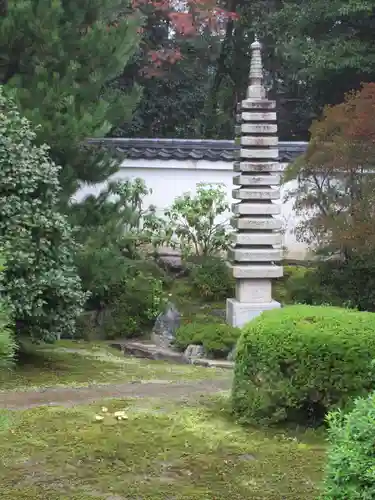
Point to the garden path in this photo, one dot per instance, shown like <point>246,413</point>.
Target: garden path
<point>70,396</point>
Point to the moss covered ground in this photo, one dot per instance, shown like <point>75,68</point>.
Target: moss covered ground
<point>160,450</point>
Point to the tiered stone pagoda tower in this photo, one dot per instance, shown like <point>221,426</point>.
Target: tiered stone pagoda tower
<point>257,241</point>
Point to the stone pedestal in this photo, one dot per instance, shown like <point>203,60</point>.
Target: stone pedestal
<point>240,313</point>
<point>256,248</point>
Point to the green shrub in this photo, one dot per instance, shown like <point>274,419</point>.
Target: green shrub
<point>350,282</point>
<point>125,295</point>
<point>297,363</point>
<point>7,344</point>
<point>343,283</point>
<point>125,308</point>
<point>134,310</point>
<point>301,285</point>
<point>350,470</point>
<point>217,339</point>
<point>190,223</point>
<point>201,318</point>
<point>40,279</point>
<point>211,279</point>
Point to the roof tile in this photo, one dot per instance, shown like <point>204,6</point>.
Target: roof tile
<point>190,149</point>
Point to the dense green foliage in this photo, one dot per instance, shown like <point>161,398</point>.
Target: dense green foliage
<point>59,61</point>
<point>40,278</point>
<point>350,282</point>
<point>129,307</point>
<point>314,52</point>
<point>196,223</point>
<point>211,279</point>
<point>338,282</point>
<point>7,344</point>
<point>298,285</point>
<point>320,50</point>
<point>351,453</point>
<point>111,230</point>
<point>126,287</point>
<point>217,339</point>
<point>297,363</point>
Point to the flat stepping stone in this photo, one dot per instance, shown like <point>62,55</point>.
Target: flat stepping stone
<point>148,350</point>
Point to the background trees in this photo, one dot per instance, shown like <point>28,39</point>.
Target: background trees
<point>315,52</point>
<point>336,190</point>
<point>59,60</point>
<point>191,62</point>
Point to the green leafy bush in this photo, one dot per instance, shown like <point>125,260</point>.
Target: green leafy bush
<point>191,223</point>
<point>301,285</point>
<point>202,318</point>
<point>125,295</point>
<point>40,279</point>
<point>217,339</point>
<point>136,307</point>
<point>350,470</point>
<point>297,363</point>
<point>126,288</point>
<point>211,279</point>
<point>349,282</point>
<point>7,344</point>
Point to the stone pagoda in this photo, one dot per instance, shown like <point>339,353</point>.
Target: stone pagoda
<point>256,249</point>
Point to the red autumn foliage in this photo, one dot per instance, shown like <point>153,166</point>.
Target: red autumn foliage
<point>337,176</point>
<point>185,21</point>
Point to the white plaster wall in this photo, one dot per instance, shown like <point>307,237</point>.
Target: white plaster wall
<point>171,178</point>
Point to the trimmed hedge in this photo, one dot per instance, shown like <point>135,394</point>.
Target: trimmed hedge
<point>297,363</point>
<point>350,470</point>
<point>217,339</point>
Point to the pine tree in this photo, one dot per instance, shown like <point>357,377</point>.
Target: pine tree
<point>59,60</point>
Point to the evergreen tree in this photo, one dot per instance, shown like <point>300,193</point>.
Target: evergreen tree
<point>58,61</point>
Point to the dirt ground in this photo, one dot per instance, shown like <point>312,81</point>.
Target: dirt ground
<point>68,396</point>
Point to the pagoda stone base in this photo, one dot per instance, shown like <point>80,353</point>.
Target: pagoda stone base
<point>240,313</point>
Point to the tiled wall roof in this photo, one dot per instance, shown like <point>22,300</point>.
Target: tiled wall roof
<point>191,149</point>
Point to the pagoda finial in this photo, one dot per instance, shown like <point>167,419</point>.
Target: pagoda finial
<point>256,89</point>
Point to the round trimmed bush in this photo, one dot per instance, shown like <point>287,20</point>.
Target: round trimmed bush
<point>297,363</point>
<point>217,339</point>
<point>350,470</point>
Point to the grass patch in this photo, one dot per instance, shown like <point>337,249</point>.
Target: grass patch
<point>163,451</point>
<point>81,363</point>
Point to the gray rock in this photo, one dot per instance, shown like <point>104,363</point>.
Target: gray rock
<point>170,260</point>
<point>166,324</point>
<point>171,263</point>
<point>194,351</point>
<point>220,313</point>
<point>232,355</point>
